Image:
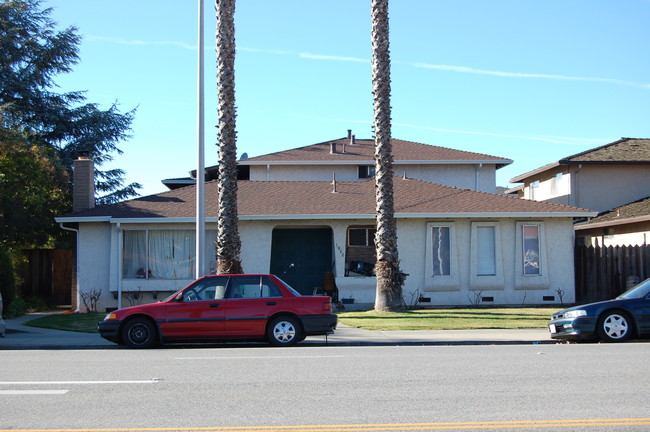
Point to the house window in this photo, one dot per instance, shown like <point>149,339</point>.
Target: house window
<point>360,251</point>
<point>530,252</point>
<point>486,263</point>
<point>161,254</point>
<point>534,186</point>
<point>486,251</point>
<point>556,182</point>
<point>134,254</point>
<point>532,265</point>
<point>366,171</point>
<point>441,244</point>
<point>441,257</point>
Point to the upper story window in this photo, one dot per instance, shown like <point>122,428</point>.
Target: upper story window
<point>366,171</point>
<point>534,186</point>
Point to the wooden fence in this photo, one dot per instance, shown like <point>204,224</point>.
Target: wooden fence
<point>47,273</point>
<point>603,273</point>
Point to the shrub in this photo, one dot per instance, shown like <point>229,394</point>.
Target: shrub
<point>16,308</point>
<point>36,304</point>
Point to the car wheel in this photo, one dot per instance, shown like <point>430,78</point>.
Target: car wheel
<point>139,333</point>
<point>284,331</point>
<point>615,326</point>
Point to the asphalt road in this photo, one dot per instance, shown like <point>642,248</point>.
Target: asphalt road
<point>543,387</point>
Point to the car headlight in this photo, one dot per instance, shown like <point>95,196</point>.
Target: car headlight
<point>575,313</point>
<point>110,316</point>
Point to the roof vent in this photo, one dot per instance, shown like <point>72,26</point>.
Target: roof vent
<point>349,133</point>
<point>334,183</point>
<point>353,140</point>
<point>332,147</point>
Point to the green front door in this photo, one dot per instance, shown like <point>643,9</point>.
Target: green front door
<point>301,256</point>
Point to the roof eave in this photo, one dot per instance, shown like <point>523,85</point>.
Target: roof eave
<point>522,177</point>
<point>501,162</point>
<point>610,223</point>
<point>264,217</point>
<point>87,219</point>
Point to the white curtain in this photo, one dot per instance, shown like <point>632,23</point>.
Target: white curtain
<point>531,249</point>
<point>171,254</point>
<point>134,254</point>
<point>441,251</point>
<point>486,251</point>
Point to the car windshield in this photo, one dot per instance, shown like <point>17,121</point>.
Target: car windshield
<point>639,291</point>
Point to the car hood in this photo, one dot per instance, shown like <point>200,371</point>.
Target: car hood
<point>592,307</point>
<point>129,310</point>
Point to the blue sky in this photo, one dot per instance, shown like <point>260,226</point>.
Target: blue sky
<point>531,81</point>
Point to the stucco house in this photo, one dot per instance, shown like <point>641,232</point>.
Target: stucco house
<point>612,179</point>
<point>308,211</point>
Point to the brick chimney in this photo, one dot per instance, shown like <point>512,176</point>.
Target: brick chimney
<point>83,190</point>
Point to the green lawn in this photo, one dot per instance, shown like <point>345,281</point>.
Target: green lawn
<point>419,319</point>
<point>449,319</point>
<point>79,322</point>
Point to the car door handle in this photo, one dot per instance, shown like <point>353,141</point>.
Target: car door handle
<point>215,305</point>
<point>271,303</point>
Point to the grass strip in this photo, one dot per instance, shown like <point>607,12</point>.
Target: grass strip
<point>78,322</point>
<point>418,319</point>
<point>449,319</point>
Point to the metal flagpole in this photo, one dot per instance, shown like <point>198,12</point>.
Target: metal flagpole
<point>200,169</point>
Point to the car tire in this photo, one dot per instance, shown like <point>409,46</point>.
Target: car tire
<point>284,331</point>
<point>615,326</point>
<point>139,333</point>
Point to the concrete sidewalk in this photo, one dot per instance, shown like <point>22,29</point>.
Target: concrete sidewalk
<point>20,336</point>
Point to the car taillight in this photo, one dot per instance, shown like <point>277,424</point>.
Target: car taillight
<point>327,306</point>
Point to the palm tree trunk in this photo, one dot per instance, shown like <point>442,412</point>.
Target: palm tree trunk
<point>228,244</point>
<point>389,277</point>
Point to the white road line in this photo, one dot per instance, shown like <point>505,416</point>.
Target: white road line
<point>151,381</point>
<point>32,392</point>
<point>256,357</point>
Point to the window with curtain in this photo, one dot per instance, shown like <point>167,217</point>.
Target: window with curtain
<point>441,250</point>
<point>171,254</point>
<point>486,251</point>
<point>163,254</point>
<point>531,249</point>
<point>134,254</point>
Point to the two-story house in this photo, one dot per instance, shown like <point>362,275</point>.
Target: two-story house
<point>309,211</point>
<point>612,179</point>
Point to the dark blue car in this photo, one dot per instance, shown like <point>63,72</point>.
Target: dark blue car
<point>627,316</point>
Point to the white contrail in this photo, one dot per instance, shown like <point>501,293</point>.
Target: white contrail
<point>465,69</point>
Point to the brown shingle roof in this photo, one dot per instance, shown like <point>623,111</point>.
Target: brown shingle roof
<point>282,199</point>
<point>634,210</point>
<point>363,150</point>
<point>625,150</point>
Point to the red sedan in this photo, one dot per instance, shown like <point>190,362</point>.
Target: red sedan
<point>224,307</point>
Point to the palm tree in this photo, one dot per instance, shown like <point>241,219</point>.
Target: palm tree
<point>228,244</point>
<point>389,277</point>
